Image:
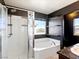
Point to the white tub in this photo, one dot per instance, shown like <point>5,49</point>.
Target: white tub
<point>46,48</point>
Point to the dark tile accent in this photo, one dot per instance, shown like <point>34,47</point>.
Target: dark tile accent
<point>2,2</point>
<point>40,36</point>
<point>69,38</point>
<point>40,15</point>
<point>17,12</point>
<point>55,37</point>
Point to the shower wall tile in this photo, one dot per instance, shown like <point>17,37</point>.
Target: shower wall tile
<point>55,26</point>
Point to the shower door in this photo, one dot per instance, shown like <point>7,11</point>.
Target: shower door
<point>3,32</point>
<point>17,37</point>
<point>14,33</point>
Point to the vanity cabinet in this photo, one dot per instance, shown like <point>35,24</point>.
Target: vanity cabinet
<point>67,54</point>
<point>63,57</point>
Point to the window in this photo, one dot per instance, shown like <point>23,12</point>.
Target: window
<point>76,26</point>
<point>40,27</point>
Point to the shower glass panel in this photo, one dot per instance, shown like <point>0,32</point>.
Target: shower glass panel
<point>18,41</point>
<point>16,35</point>
<point>0,19</point>
<point>0,28</point>
<point>3,32</point>
<point>14,46</point>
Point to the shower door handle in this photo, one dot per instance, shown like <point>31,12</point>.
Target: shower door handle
<point>10,34</point>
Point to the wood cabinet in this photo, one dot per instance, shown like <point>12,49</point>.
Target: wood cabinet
<point>63,57</point>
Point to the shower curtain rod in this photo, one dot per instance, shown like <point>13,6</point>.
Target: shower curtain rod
<point>8,6</point>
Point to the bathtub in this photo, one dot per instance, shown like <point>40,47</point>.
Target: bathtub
<point>46,48</point>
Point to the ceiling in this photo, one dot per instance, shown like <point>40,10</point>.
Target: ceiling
<point>42,6</point>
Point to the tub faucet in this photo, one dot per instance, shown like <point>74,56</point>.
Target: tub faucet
<point>53,42</point>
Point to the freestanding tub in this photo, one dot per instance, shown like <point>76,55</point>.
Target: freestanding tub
<point>46,48</point>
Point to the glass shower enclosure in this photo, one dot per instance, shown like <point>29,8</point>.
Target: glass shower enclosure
<point>16,35</point>
<point>3,32</point>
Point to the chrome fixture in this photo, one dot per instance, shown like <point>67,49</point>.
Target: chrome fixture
<point>10,25</point>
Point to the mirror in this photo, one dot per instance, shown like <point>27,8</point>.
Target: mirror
<point>76,27</point>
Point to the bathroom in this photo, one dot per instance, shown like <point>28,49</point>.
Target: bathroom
<point>30,34</point>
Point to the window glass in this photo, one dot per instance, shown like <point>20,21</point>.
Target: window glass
<point>40,27</point>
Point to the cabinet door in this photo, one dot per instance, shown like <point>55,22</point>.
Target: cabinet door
<point>62,57</point>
